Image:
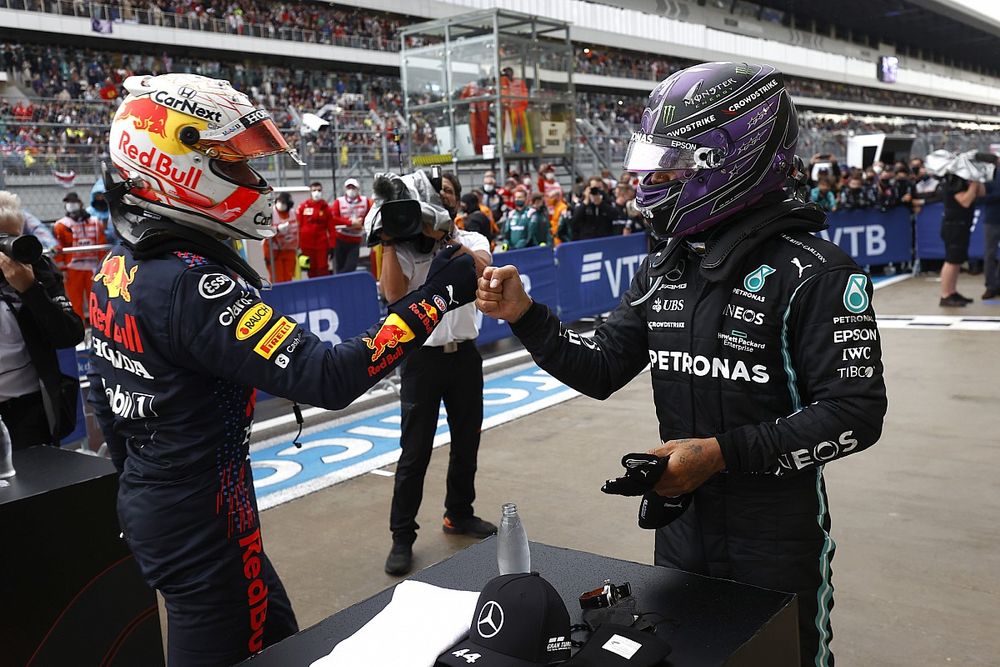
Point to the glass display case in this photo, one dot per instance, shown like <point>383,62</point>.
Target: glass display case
<point>489,87</point>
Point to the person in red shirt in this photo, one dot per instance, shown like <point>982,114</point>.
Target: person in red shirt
<point>78,228</point>
<point>281,251</point>
<point>348,214</point>
<point>317,235</point>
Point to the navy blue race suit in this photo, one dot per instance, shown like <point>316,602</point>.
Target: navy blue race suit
<point>765,339</point>
<point>178,347</point>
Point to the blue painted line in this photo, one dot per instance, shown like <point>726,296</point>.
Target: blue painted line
<point>333,453</point>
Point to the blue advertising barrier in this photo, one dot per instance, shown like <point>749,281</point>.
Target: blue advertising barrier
<point>538,273</point>
<point>334,308</point>
<point>75,365</point>
<point>871,236</point>
<point>592,275</point>
<point>929,243</point>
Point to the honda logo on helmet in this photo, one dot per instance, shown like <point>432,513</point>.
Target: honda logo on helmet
<point>185,92</point>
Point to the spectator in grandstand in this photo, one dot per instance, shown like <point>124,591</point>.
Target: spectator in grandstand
<point>348,213</point>
<point>856,195</point>
<point>317,234</point>
<point>822,195</point>
<point>885,190</point>
<point>35,319</point>
<point>595,215</point>
<point>991,232</point>
<point>547,182</point>
<point>76,229</point>
<point>956,228</point>
<point>448,368</point>
<point>624,194</point>
<point>904,189</point>
<point>281,251</point>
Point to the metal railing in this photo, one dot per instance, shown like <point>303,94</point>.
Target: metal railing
<point>232,25</point>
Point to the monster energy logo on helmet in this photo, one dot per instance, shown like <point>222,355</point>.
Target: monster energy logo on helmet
<point>668,113</point>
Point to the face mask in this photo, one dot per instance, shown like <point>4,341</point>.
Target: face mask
<point>526,181</point>
<point>99,205</point>
<point>488,187</point>
<point>316,194</point>
<point>519,203</point>
<point>352,194</point>
<point>877,169</point>
<point>72,208</point>
<point>549,176</point>
<point>281,206</point>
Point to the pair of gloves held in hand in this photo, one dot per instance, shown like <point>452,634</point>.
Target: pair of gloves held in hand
<point>642,472</point>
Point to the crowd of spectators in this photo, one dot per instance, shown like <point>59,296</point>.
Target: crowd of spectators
<point>879,186</point>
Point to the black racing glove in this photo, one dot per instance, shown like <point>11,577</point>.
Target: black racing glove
<point>642,472</point>
<point>451,278</point>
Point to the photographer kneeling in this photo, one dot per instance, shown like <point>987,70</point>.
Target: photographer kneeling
<point>35,319</point>
<point>448,367</point>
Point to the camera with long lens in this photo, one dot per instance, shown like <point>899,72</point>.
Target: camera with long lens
<point>24,249</point>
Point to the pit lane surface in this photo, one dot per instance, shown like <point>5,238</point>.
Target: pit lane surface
<point>917,574</point>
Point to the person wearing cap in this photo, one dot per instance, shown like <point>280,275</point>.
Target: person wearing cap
<point>558,217</point>
<point>281,251</point>
<point>317,234</point>
<point>761,340</point>
<point>78,228</point>
<point>348,213</point>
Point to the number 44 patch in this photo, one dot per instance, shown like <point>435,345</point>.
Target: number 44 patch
<point>469,657</point>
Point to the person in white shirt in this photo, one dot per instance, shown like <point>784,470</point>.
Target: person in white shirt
<point>448,367</point>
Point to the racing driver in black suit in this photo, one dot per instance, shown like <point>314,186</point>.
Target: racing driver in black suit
<point>763,350</point>
<point>180,340</point>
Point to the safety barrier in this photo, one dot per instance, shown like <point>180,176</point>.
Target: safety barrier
<point>580,279</point>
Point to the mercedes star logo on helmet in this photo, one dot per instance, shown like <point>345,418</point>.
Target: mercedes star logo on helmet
<point>490,620</point>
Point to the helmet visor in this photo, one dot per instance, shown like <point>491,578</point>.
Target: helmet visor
<point>252,136</point>
<point>649,153</point>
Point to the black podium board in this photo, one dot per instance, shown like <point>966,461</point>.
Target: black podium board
<point>71,592</point>
<point>710,621</point>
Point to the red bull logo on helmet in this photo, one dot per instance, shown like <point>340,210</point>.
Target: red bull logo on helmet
<point>392,332</point>
<point>146,114</point>
<point>116,277</point>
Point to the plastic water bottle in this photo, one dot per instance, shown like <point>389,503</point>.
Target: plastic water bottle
<point>6,464</point>
<point>512,543</point>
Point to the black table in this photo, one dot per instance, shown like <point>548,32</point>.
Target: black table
<point>71,592</point>
<point>711,621</point>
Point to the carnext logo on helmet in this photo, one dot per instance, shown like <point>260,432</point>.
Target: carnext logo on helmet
<point>186,106</point>
<point>755,95</point>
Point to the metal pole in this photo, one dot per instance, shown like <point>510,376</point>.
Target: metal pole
<point>336,153</point>
<point>304,155</point>
<point>497,107</point>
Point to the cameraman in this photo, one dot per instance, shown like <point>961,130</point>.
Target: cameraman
<point>448,367</point>
<point>35,319</point>
<point>594,216</point>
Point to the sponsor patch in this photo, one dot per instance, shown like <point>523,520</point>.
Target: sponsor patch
<point>392,332</point>
<point>274,337</point>
<point>253,321</point>
<point>215,285</point>
<point>754,281</point>
<point>855,297</point>
<point>440,303</point>
<point>116,277</point>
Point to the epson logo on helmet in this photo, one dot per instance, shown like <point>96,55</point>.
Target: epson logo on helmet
<point>186,106</point>
<point>683,145</point>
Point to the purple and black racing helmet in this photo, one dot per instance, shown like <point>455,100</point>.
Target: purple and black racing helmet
<point>725,132</point>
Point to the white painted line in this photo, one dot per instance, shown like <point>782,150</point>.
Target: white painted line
<point>370,465</point>
<point>382,473</point>
<point>939,322</point>
<point>892,281</point>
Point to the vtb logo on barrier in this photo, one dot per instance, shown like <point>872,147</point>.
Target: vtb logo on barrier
<point>594,262</point>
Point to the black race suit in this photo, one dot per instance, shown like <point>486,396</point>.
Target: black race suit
<point>178,347</point>
<point>769,343</point>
